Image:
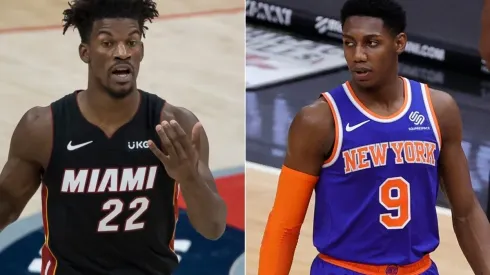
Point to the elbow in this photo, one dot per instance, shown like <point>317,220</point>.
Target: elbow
<point>8,214</point>
<point>485,55</point>
<point>485,51</point>
<point>216,230</point>
<point>467,213</point>
<point>217,226</point>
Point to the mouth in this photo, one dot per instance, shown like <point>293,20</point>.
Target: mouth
<point>122,73</point>
<point>361,72</point>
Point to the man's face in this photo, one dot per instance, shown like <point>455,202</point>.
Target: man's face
<point>114,53</point>
<point>371,51</point>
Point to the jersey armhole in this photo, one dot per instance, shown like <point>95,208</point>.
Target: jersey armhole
<point>431,114</point>
<point>160,118</point>
<point>338,138</point>
<point>53,137</point>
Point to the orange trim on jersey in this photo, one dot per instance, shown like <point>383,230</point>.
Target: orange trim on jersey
<point>431,107</point>
<point>402,108</point>
<point>337,129</point>
<point>412,269</point>
<point>176,215</point>
<point>281,233</point>
<point>48,259</point>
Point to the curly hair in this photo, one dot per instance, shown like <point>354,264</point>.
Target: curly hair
<point>392,13</point>
<point>82,13</point>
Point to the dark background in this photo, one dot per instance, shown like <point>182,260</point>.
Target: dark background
<point>451,25</point>
<point>452,22</point>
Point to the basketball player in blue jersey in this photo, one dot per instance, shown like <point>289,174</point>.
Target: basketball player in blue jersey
<point>111,158</point>
<point>375,150</point>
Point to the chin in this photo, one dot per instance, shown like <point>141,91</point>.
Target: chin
<point>119,93</point>
<point>363,84</point>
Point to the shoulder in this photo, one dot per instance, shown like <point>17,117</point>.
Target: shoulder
<point>447,112</point>
<point>33,134</point>
<point>311,136</point>
<point>37,121</point>
<point>183,116</point>
<point>315,118</point>
<point>442,101</point>
<point>312,129</point>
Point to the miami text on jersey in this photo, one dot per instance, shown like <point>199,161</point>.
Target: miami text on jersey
<point>108,180</point>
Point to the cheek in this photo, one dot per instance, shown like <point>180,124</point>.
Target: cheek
<point>381,58</point>
<point>138,54</point>
<point>99,62</point>
<point>349,55</point>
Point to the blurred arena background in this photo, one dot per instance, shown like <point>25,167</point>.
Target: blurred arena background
<point>294,53</point>
<point>194,58</point>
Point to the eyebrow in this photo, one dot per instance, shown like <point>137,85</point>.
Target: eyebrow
<point>135,31</point>
<point>374,35</point>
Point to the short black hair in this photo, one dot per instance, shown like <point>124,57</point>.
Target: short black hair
<point>391,12</point>
<point>82,13</point>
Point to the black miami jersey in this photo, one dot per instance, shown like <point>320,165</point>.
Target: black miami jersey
<point>109,206</point>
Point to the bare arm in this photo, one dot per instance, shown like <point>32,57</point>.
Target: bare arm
<point>485,33</point>
<point>469,220</point>
<point>21,175</point>
<point>311,135</point>
<point>206,209</point>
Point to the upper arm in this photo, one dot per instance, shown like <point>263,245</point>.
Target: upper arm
<point>21,175</point>
<point>484,45</point>
<point>311,136</point>
<point>453,165</point>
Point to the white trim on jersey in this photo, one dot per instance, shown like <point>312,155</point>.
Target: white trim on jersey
<point>339,129</point>
<point>428,110</point>
<point>378,119</point>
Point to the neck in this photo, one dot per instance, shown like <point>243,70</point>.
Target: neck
<point>106,109</point>
<point>385,92</point>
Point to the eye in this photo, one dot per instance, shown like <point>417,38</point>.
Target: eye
<point>106,44</point>
<point>373,43</point>
<point>133,43</point>
<point>348,44</point>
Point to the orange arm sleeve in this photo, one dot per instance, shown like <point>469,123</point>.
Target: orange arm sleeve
<point>284,224</point>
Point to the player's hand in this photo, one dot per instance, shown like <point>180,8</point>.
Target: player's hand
<point>180,154</point>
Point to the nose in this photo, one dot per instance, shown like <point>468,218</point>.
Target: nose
<point>360,55</point>
<point>122,52</point>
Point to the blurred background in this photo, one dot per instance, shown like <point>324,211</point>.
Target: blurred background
<point>38,65</point>
<point>294,53</point>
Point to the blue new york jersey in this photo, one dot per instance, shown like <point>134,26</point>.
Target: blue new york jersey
<point>375,200</point>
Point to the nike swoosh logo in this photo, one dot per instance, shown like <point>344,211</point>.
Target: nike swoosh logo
<point>75,147</point>
<point>349,128</point>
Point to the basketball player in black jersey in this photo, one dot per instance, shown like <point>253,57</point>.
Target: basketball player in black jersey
<point>109,158</point>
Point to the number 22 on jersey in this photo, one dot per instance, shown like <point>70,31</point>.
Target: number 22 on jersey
<point>116,207</point>
<point>394,195</point>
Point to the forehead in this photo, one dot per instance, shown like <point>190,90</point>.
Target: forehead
<point>115,26</point>
<point>356,26</point>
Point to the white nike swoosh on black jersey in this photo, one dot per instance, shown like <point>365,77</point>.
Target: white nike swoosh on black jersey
<point>71,147</point>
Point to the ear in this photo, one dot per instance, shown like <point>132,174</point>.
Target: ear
<point>400,42</point>
<point>84,51</point>
<point>142,51</point>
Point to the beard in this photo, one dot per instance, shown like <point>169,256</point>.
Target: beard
<point>119,93</point>
<point>114,90</point>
